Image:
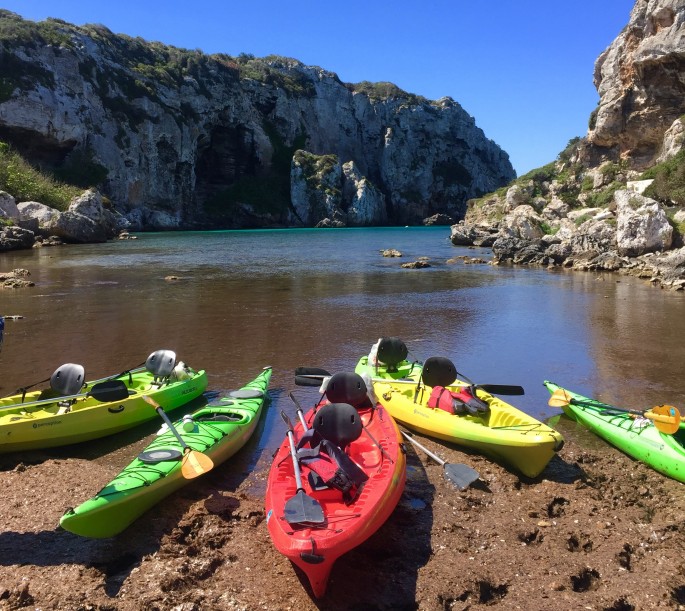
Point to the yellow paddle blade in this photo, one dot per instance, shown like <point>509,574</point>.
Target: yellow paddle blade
<point>559,398</point>
<point>666,418</point>
<point>195,464</point>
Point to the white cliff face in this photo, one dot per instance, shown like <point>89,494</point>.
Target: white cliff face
<point>171,139</point>
<point>639,81</point>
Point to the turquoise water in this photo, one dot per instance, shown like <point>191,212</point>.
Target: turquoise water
<point>245,299</point>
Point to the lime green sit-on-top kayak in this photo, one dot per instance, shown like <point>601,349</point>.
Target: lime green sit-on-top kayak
<point>216,431</point>
<point>73,410</point>
<point>646,435</point>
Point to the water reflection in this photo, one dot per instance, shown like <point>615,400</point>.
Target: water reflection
<point>321,298</point>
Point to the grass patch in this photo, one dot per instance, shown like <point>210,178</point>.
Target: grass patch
<point>25,183</point>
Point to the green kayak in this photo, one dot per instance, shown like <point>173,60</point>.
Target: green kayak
<point>635,435</point>
<point>216,430</point>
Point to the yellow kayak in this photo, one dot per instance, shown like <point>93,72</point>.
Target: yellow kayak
<point>72,410</point>
<point>471,416</point>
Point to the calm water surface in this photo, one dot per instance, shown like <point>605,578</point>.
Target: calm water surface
<point>245,299</point>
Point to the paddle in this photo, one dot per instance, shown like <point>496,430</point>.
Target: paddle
<point>194,463</point>
<point>493,389</point>
<point>106,392</point>
<point>666,418</point>
<point>301,508</point>
<point>300,411</point>
<point>308,376</point>
<point>462,476</point>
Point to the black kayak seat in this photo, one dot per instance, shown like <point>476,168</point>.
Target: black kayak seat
<point>339,423</point>
<point>438,371</point>
<point>68,380</point>
<point>347,388</point>
<point>391,352</point>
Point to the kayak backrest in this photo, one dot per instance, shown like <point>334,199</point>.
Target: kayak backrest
<point>348,388</point>
<point>339,423</point>
<point>391,352</point>
<point>160,364</point>
<point>68,379</point>
<point>438,371</point>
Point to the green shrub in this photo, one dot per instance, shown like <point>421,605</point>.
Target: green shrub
<point>25,183</point>
<point>669,180</point>
<point>603,198</point>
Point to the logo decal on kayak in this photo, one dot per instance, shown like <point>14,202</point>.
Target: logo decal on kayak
<point>268,515</point>
<point>37,424</point>
<point>419,413</point>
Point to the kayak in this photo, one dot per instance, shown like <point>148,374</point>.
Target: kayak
<point>72,411</point>
<point>352,471</point>
<point>463,413</point>
<point>217,430</point>
<point>638,437</point>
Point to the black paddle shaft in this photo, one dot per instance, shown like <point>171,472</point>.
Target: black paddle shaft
<point>300,508</point>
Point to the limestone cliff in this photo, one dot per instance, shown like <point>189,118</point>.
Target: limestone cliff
<point>641,83</point>
<point>614,199</point>
<point>177,138</point>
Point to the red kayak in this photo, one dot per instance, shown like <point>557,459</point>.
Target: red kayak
<point>335,479</point>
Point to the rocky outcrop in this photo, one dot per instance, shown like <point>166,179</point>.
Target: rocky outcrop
<point>642,94</point>
<point>594,208</point>
<point>86,220</point>
<point>325,194</point>
<point>175,138</point>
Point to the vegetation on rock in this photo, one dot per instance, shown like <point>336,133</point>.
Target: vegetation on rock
<point>26,183</point>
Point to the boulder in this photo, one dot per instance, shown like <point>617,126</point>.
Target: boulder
<point>641,225</point>
<point>8,207</point>
<point>15,238</point>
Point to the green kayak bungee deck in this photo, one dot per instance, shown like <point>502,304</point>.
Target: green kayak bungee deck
<point>218,430</point>
<point>637,436</point>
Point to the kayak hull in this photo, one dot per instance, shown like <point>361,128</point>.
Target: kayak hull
<point>45,426</point>
<point>636,437</point>
<point>502,432</point>
<point>141,485</point>
<point>315,548</point>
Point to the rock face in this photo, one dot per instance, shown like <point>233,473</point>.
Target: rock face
<point>175,138</point>
<point>594,208</point>
<point>642,92</point>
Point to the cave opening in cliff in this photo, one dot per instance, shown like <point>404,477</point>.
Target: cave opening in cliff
<point>224,157</point>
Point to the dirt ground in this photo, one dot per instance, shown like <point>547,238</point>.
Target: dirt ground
<point>595,531</point>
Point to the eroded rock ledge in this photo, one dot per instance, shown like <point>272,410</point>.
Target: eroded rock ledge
<point>632,235</point>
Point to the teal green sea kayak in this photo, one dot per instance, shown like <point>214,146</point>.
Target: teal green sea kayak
<point>636,436</point>
<point>216,430</point>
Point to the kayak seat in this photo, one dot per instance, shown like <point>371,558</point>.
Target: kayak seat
<point>160,364</point>
<point>391,352</point>
<point>339,423</point>
<point>334,427</point>
<point>348,388</point>
<point>438,371</point>
<point>68,379</point>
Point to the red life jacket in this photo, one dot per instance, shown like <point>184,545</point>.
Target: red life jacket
<point>457,402</point>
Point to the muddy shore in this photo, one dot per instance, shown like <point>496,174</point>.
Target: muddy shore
<point>595,531</point>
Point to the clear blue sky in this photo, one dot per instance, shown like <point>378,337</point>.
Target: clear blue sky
<point>522,68</point>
